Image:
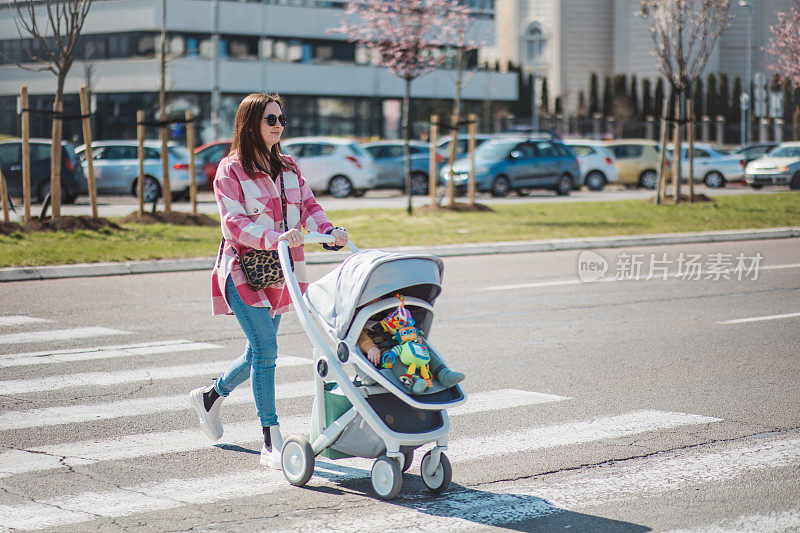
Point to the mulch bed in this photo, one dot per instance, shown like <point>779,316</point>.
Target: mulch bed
<point>64,223</point>
<point>457,207</point>
<point>684,199</point>
<point>175,218</point>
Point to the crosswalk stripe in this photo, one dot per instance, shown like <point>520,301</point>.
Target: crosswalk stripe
<point>59,335</point>
<point>145,444</point>
<point>20,320</point>
<point>499,504</point>
<point>104,379</point>
<point>178,492</point>
<point>103,352</point>
<point>75,414</point>
<point>759,318</point>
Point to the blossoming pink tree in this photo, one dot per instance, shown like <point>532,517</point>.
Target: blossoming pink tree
<point>785,45</point>
<point>407,36</point>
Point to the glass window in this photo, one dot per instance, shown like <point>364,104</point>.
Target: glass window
<point>180,152</point>
<point>356,149</point>
<point>10,153</point>
<point>151,153</point>
<point>375,151</point>
<point>393,150</point>
<point>526,150</point>
<point>317,150</point>
<point>294,150</point>
<point>40,152</point>
<point>494,149</point>
<point>561,150</point>
<point>213,153</point>
<point>581,150</point>
<point>786,151</point>
<point>534,42</point>
<point>699,152</point>
<point>419,149</point>
<point>627,151</point>
<point>545,149</point>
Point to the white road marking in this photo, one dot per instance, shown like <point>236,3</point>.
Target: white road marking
<point>788,521</point>
<point>462,508</point>
<point>59,335</point>
<point>103,352</point>
<point>105,379</point>
<point>139,445</point>
<point>577,281</point>
<point>759,318</point>
<point>75,414</point>
<point>20,320</point>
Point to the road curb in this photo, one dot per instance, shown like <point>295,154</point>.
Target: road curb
<point>445,250</point>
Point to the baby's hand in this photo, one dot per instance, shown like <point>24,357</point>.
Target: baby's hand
<point>374,355</point>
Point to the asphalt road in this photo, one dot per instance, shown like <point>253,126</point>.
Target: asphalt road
<point>120,206</point>
<point>619,405</point>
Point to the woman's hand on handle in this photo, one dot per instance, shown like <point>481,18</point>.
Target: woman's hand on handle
<point>341,236</point>
<point>293,238</point>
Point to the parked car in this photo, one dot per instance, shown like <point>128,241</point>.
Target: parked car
<point>596,162</point>
<point>636,161</point>
<point>334,165</point>
<point>711,166</point>
<point>116,168</point>
<point>389,158</point>
<point>519,164</point>
<point>208,156</point>
<point>781,166</point>
<point>443,145</point>
<point>73,180</point>
<point>750,152</point>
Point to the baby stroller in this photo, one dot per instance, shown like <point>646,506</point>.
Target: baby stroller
<point>370,414</point>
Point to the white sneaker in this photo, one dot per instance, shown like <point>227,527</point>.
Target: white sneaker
<point>209,420</point>
<point>271,458</point>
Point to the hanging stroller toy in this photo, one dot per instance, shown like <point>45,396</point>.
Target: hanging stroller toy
<point>378,412</point>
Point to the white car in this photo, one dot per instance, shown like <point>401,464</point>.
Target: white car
<point>596,161</point>
<point>712,166</point>
<point>334,165</point>
<point>781,166</point>
<point>116,168</point>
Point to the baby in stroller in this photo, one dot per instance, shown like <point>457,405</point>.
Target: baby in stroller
<point>390,339</point>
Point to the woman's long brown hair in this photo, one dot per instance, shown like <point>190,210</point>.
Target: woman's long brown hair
<point>247,139</point>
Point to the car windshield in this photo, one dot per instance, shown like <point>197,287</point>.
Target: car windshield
<point>179,152</point>
<point>785,151</point>
<point>356,149</point>
<point>494,149</point>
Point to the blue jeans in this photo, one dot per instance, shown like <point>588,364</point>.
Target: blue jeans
<point>258,360</point>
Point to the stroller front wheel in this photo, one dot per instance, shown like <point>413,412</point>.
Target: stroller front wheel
<point>297,460</point>
<point>386,477</point>
<point>440,480</point>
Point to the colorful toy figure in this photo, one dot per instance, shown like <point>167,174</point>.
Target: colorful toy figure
<point>410,352</point>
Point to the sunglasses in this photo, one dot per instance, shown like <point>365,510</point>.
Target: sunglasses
<point>272,119</point>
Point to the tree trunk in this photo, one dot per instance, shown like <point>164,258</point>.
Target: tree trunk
<point>162,93</point>
<point>406,138</point>
<point>690,140</point>
<point>676,149</point>
<point>55,149</point>
<point>662,155</point>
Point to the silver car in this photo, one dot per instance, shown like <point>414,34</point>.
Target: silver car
<point>781,166</point>
<point>116,168</point>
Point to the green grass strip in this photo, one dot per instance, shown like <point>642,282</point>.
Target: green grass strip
<point>372,228</point>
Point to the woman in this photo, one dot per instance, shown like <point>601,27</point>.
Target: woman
<point>248,192</point>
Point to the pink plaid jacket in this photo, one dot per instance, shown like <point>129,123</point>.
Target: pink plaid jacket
<point>251,217</point>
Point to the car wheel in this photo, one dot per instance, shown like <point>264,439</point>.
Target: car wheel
<point>795,183</point>
<point>564,185</point>
<point>648,179</point>
<point>340,187</point>
<point>756,186</point>
<point>714,180</point>
<point>522,192</point>
<point>359,194</point>
<point>500,187</point>
<point>152,189</point>
<point>595,180</point>
<point>44,192</point>
<point>419,183</point>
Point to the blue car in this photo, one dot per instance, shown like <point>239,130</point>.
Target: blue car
<point>520,164</point>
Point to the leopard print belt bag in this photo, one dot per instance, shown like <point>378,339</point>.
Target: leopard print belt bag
<point>262,268</point>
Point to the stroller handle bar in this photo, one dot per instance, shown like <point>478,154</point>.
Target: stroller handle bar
<point>320,238</point>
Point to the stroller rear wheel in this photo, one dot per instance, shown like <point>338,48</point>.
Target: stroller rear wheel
<point>408,458</point>
<point>440,480</point>
<point>386,477</point>
<point>297,460</point>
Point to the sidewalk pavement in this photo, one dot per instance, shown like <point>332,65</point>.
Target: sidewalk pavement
<point>445,250</point>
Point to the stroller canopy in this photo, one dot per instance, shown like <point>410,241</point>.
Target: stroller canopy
<point>371,274</point>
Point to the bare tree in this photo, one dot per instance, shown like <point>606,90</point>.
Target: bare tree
<point>54,26</point>
<point>684,33</point>
<point>407,37</point>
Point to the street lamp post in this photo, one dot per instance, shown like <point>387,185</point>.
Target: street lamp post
<point>746,100</point>
<point>215,74</point>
